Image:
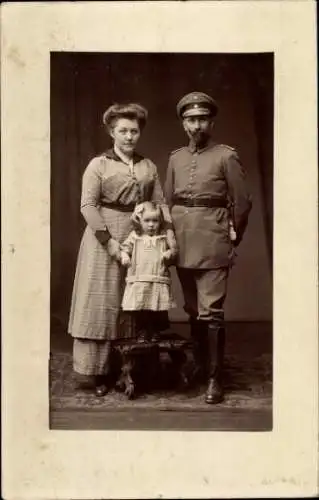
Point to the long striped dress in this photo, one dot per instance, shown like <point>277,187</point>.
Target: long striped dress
<point>110,190</point>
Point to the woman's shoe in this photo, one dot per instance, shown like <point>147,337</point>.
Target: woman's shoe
<point>101,390</point>
<point>101,385</point>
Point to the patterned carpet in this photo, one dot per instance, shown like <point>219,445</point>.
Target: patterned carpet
<point>248,384</point>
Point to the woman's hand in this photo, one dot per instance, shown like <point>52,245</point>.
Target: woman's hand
<point>113,248</point>
<point>125,259</point>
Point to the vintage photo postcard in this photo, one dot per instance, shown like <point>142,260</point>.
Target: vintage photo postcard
<point>160,249</point>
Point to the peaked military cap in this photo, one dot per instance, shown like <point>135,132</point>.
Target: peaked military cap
<point>195,104</point>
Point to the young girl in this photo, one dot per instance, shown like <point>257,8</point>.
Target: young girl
<point>147,255</point>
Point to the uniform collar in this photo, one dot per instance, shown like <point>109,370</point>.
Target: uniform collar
<point>192,147</point>
<point>110,153</point>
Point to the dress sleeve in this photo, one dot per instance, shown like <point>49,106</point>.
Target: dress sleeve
<point>240,198</point>
<point>158,197</point>
<point>128,244</point>
<point>90,198</point>
<point>169,184</point>
<point>172,246</point>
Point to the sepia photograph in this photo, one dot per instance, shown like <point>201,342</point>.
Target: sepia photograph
<point>161,241</point>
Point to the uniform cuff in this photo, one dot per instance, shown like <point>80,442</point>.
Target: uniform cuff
<point>168,225</point>
<point>103,236</point>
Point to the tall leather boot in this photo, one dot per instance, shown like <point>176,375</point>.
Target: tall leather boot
<point>216,349</point>
<point>199,330</point>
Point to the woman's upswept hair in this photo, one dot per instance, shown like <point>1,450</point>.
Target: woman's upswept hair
<point>138,213</point>
<point>132,111</point>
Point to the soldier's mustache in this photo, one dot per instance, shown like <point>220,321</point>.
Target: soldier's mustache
<point>198,132</point>
<point>199,135</point>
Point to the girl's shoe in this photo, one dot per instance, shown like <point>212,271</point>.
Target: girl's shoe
<point>143,337</point>
<point>155,337</point>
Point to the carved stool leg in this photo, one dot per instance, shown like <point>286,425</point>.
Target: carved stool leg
<point>179,360</point>
<point>126,381</point>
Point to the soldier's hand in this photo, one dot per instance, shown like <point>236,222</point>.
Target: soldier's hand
<point>233,257</point>
<point>232,234</point>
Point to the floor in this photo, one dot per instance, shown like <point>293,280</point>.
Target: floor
<point>247,406</point>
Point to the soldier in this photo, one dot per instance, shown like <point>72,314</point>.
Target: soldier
<point>206,190</point>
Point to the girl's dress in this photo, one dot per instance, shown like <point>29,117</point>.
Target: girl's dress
<point>110,191</point>
<point>148,281</point>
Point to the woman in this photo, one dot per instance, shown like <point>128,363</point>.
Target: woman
<point>113,183</point>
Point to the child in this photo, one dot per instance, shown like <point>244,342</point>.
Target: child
<point>147,255</point>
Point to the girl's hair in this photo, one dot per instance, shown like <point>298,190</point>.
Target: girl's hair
<point>139,211</point>
<point>132,111</point>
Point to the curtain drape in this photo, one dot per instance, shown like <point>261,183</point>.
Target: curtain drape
<point>83,85</point>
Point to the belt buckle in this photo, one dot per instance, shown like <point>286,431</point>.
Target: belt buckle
<point>191,202</point>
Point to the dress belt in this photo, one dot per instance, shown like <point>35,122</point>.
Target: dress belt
<point>201,202</point>
<point>118,206</point>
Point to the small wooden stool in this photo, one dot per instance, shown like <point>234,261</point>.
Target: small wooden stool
<point>141,363</point>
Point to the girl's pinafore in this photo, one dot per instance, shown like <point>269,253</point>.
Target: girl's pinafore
<point>148,280</point>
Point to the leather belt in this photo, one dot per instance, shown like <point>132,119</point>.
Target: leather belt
<point>201,202</point>
<point>118,206</point>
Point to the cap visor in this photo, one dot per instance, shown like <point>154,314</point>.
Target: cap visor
<point>197,112</point>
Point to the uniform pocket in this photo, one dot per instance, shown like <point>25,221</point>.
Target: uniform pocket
<point>221,215</point>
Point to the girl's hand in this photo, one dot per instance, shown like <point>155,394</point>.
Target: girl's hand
<point>166,256</point>
<point>125,259</point>
<point>113,248</point>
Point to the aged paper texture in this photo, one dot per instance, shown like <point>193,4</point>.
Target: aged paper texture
<point>41,463</point>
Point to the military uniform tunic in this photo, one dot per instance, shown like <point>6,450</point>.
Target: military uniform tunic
<point>202,233</point>
<point>205,249</point>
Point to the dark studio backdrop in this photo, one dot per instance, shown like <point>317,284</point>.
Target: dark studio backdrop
<point>83,85</point>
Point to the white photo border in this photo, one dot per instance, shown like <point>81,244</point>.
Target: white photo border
<point>41,463</point>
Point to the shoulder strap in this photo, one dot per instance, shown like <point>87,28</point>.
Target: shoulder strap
<point>228,147</point>
<point>176,150</point>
